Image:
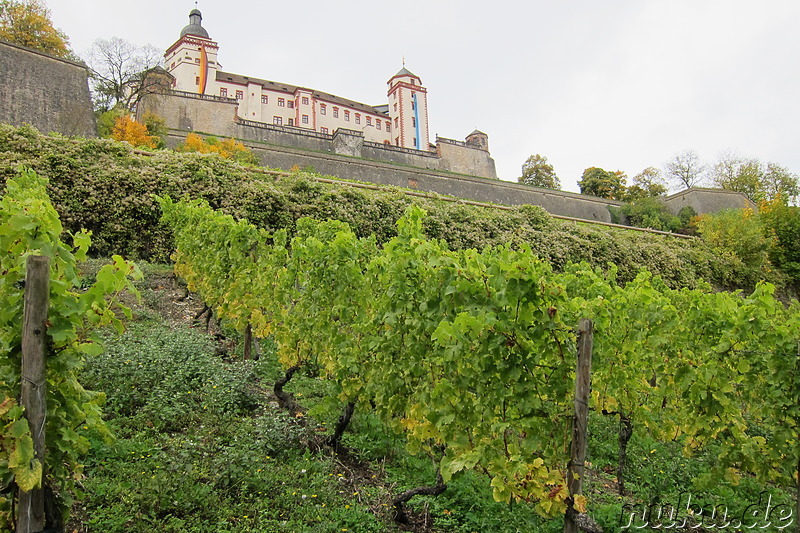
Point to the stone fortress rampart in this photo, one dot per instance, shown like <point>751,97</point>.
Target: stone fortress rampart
<point>346,155</point>
<point>46,92</point>
<point>53,95</point>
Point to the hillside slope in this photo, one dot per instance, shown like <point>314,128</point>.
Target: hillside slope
<point>107,187</point>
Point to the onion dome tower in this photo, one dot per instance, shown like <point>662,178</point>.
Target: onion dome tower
<point>192,59</point>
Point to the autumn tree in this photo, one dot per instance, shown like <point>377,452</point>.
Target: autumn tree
<point>227,148</point>
<point>122,73</point>
<point>685,170</point>
<point>133,132</point>
<point>603,183</point>
<point>537,172</point>
<point>28,24</point>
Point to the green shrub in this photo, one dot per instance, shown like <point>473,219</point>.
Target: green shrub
<point>104,187</point>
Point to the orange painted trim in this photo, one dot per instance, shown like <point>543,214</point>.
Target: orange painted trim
<point>203,70</point>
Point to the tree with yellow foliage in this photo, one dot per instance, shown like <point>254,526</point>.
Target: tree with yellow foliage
<point>227,148</point>
<point>28,24</point>
<point>135,133</point>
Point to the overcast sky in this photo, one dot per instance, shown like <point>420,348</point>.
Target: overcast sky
<point>620,85</point>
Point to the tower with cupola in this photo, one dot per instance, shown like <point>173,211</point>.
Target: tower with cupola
<point>192,59</point>
<point>408,110</point>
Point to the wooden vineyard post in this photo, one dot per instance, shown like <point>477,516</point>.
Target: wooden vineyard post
<point>248,342</point>
<point>580,425</point>
<point>34,323</point>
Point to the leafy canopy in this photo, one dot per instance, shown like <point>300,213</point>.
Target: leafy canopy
<point>603,183</point>
<point>133,132</point>
<point>227,148</point>
<point>28,24</point>
<point>537,172</point>
<point>756,180</point>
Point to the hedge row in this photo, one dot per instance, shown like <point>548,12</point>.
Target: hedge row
<point>105,187</point>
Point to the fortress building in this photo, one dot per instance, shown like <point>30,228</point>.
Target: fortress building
<point>281,116</point>
<point>193,62</point>
<point>288,126</point>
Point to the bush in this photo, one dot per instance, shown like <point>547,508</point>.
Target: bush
<point>104,187</point>
<point>741,232</point>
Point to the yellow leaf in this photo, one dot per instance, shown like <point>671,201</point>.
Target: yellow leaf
<point>29,477</point>
<point>580,503</point>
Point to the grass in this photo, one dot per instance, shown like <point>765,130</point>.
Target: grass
<point>202,446</point>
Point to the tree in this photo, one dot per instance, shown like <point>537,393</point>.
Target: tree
<point>685,169</point>
<point>135,133</point>
<point>646,184</point>
<point>603,183</point>
<point>779,183</point>
<point>537,172</point>
<point>782,224</point>
<point>756,180</point>
<point>227,148</point>
<point>122,73</point>
<point>156,127</point>
<point>741,232</point>
<point>28,24</point>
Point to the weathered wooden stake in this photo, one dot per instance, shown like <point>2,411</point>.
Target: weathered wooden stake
<point>580,424</point>
<point>248,342</point>
<point>37,292</point>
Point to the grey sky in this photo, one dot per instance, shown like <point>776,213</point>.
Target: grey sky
<point>620,85</point>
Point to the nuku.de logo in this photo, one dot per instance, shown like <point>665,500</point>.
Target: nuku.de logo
<point>687,515</point>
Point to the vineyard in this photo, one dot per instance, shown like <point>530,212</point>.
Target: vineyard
<point>465,357</point>
<point>468,354</point>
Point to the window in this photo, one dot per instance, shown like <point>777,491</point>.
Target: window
<point>396,122</point>
<point>305,119</point>
<point>397,141</point>
<point>278,121</point>
<point>369,121</point>
<point>415,142</point>
<point>291,104</point>
<point>197,60</point>
<point>395,107</point>
<point>291,122</point>
<point>264,99</point>
<point>281,102</point>
<point>223,91</point>
<point>413,105</point>
<point>378,124</point>
<point>197,80</point>
<point>346,115</point>
<point>239,95</point>
<point>322,109</point>
<point>388,125</point>
<point>305,100</point>
<point>335,112</point>
<point>358,118</point>
<point>413,122</point>
<point>172,65</point>
<point>323,130</point>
